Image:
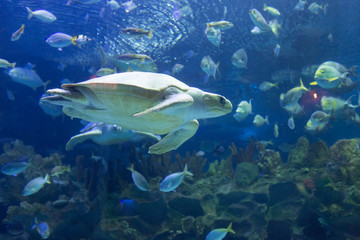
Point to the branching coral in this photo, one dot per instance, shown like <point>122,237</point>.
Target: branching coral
<point>244,155</point>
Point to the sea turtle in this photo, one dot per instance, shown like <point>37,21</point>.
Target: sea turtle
<point>106,134</point>
<point>142,101</point>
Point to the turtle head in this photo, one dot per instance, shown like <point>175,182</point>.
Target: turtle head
<point>215,105</point>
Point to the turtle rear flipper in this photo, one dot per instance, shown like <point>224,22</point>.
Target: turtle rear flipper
<point>175,138</point>
<point>81,138</point>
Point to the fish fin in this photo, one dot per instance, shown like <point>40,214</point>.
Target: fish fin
<point>265,7</point>
<point>13,64</point>
<point>186,172</point>
<point>129,69</point>
<point>73,40</point>
<point>274,25</point>
<point>131,168</point>
<point>47,178</point>
<point>35,224</point>
<point>267,119</point>
<point>114,70</point>
<point>313,83</point>
<point>175,100</point>
<point>29,12</point>
<point>353,69</point>
<point>229,228</point>
<point>208,25</point>
<point>302,85</point>
<point>276,85</point>
<point>68,2</point>
<point>333,79</point>
<point>45,85</point>
<point>150,34</point>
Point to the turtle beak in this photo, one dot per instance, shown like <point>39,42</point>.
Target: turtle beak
<point>56,100</point>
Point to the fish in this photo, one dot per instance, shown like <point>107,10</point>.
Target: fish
<point>59,170</point>
<point>263,25</point>
<point>266,86</point>
<point>271,10</point>
<point>239,58</point>
<point>309,70</point>
<point>209,66</point>
<point>50,109</point>
<point>42,228</point>
<point>80,40</point>
<point>300,6</point>
<point>330,37</point>
<point>176,13</point>
<point>277,50</point>
<point>60,40</point>
<point>114,5</point>
<point>318,121</point>
<point>294,109</point>
<point>27,76</point>
<point>87,2</point>
<point>291,123</point>
<point>221,25</point>
<point>105,71</point>
<point>34,185</point>
<point>138,32</point>
<point>130,58</point>
<point>172,181</point>
<point>5,64</point>
<point>138,179</point>
<point>14,168</point>
<point>200,153</point>
<point>259,120</point>
<point>336,106</point>
<point>43,15</point>
<point>330,74</point>
<point>276,130</point>
<point>17,34</point>
<point>220,233</point>
<point>129,6</point>
<point>315,8</point>
<point>213,35</point>
<point>243,110</point>
<point>293,95</point>
<point>10,95</point>
<point>177,68</point>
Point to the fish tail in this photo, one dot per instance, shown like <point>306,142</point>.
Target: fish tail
<point>150,34</point>
<point>275,27</point>
<point>68,169</point>
<point>35,224</point>
<point>267,119</point>
<point>22,28</point>
<point>29,12</point>
<point>229,228</point>
<point>114,70</point>
<point>302,85</point>
<point>73,40</point>
<point>131,168</point>
<point>276,85</point>
<point>352,71</point>
<point>47,178</point>
<point>186,172</point>
<point>45,85</point>
<point>13,64</point>
<point>208,25</point>
<point>265,7</point>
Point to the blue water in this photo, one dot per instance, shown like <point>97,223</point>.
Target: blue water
<point>304,40</point>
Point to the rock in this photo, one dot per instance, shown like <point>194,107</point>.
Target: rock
<point>188,225</point>
<point>233,197</point>
<point>187,206</point>
<point>269,161</point>
<point>318,154</point>
<point>246,173</point>
<point>282,192</point>
<point>284,211</point>
<point>299,155</point>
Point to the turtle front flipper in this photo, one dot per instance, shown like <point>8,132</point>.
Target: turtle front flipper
<point>175,138</point>
<point>172,100</point>
<point>81,138</point>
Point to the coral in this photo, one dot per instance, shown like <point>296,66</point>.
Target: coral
<point>344,151</point>
<point>194,163</point>
<point>299,155</point>
<point>242,155</point>
<point>269,161</point>
<point>318,154</point>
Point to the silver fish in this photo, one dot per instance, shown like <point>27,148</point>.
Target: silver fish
<point>171,182</point>
<point>35,185</point>
<point>27,77</point>
<point>139,180</point>
<point>17,34</point>
<point>14,168</point>
<point>42,15</point>
<point>239,58</point>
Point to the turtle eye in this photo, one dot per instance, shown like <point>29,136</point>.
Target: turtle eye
<point>222,100</point>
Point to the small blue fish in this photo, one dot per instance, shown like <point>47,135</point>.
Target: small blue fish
<point>277,50</point>
<point>35,185</point>
<point>42,228</point>
<point>26,76</point>
<point>60,40</point>
<point>14,168</point>
<point>171,182</point>
<point>291,123</point>
<point>220,233</point>
<point>139,180</point>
